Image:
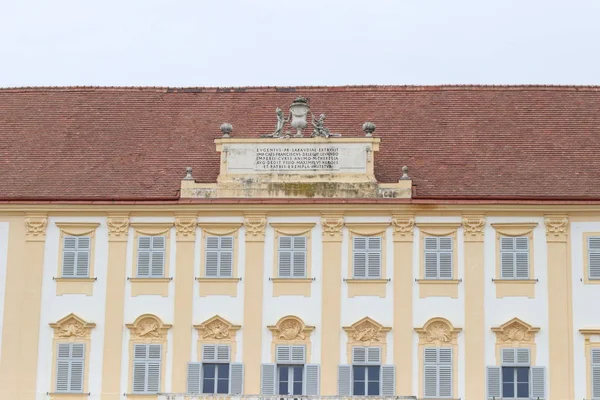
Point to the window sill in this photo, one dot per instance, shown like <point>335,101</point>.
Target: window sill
<point>591,281</point>
<point>366,287</point>
<point>515,288</point>
<point>218,286</point>
<point>141,395</point>
<point>74,286</point>
<point>68,396</point>
<point>292,286</point>
<point>150,286</point>
<point>438,288</point>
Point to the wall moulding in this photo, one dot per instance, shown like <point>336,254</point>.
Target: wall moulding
<point>292,228</point>
<point>514,228</point>
<point>255,226</point>
<point>220,229</point>
<point>217,330</point>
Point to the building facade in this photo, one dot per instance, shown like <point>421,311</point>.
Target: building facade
<point>291,263</point>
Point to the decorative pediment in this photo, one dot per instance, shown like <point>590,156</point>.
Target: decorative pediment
<point>72,327</point>
<point>148,327</point>
<point>439,331</point>
<point>217,328</point>
<point>515,331</point>
<point>291,329</point>
<point>366,332</point>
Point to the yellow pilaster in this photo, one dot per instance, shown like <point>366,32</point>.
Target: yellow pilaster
<point>253,301</point>
<point>118,227</point>
<point>560,315</point>
<point>332,298</point>
<point>403,291</point>
<point>185,226</point>
<point>473,228</point>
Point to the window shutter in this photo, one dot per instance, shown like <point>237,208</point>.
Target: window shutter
<point>312,375</point>
<point>445,372</point>
<point>298,354</point>
<point>374,257</point>
<point>154,364</point>
<point>62,367</point>
<point>209,352</point>
<point>522,356</point>
<point>360,257</point>
<point>140,353</point>
<point>223,353</point>
<point>158,256</point>
<point>268,376</point>
<point>388,381</point>
<point>212,256</point>
<point>595,373</point>
<point>438,258</point>
<point>373,355</point>
<point>283,354</point>
<point>83,257</point>
<point>594,257</point>
<point>508,357</point>
<point>445,258</point>
<point>431,355</point>
<point>226,257</point>
<point>522,263</point>
<point>69,256</point>
<point>236,379</point>
<point>538,382</point>
<point>143,261</point>
<point>359,355</point>
<point>431,270</point>
<point>507,259</point>
<point>493,375</point>
<point>285,256</point>
<point>194,377</point>
<point>344,380</point>
<point>77,365</point>
<point>430,372</point>
<point>299,258</point>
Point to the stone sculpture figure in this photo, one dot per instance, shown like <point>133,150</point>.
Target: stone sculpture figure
<point>319,129</point>
<point>281,121</point>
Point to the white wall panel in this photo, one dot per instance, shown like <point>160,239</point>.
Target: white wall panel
<point>4,229</point>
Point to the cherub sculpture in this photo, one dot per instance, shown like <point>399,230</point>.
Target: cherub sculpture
<point>281,121</point>
<point>319,129</point>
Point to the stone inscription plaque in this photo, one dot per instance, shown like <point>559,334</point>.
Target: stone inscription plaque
<point>297,159</point>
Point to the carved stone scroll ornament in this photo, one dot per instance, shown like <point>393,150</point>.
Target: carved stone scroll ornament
<point>556,226</point>
<point>438,330</point>
<point>148,327</point>
<point>72,326</point>
<point>515,330</point>
<point>217,329</point>
<point>36,226</point>
<point>332,226</point>
<point>255,226</point>
<point>366,331</point>
<point>290,328</point>
<point>185,227</point>
<point>118,227</point>
<point>403,226</point>
<point>473,226</point>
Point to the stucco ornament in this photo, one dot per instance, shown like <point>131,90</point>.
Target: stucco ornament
<point>185,226</point>
<point>36,226</point>
<point>473,226</point>
<point>148,327</point>
<point>217,329</point>
<point>438,330</point>
<point>332,226</point>
<point>118,226</point>
<point>403,226</point>
<point>255,226</point>
<point>72,327</point>
<point>366,331</point>
<point>290,328</point>
<point>556,226</point>
<point>515,331</point>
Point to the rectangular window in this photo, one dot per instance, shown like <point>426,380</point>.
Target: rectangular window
<point>146,368</point>
<point>76,257</point>
<point>367,257</point>
<point>514,257</point>
<point>366,371</point>
<point>215,378</point>
<point>219,257</point>
<point>438,372</point>
<point>594,257</point>
<point>70,361</point>
<point>515,382</point>
<point>292,257</point>
<point>151,256</point>
<point>290,379</point>
<point>438,257</point>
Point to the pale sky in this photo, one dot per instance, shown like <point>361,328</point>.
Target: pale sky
<point>298,42</point>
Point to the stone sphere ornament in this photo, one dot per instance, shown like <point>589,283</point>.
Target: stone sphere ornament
<point>226,129</point>
<point>369,128</point>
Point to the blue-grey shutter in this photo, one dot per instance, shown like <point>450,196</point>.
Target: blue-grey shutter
<point>298,354</point>
<point>236,378</point>
<point>445,258</point>
<point>82,265</point>
<point>283,354</point>
<point>344,380</point>
<point>223,355</point>
<point>140,355</point>
<point>312,375</point>
<point>509,357</point>
<point>69,256</point>
<point>494,379</point>
<point>154,365</point>
<point>431,258</point>
<point>522,257</point>
<point>299,257</point>
<point>594,257</point>
<point>359,355</point>
<point>388,381</point>
<point>285,257</point>
<point>226,257</point>
<point>538,382</point>
<point>268,377</point>
<point>359,251</point>
<point>194,378</point>
<point>507,257</point>
<point>374,355</point>
<point>212,256</point>
<point>143,256</point>
<point>374,257</point>
<point>522,356</point>
<point>445,372</point>
<point>62,367</point>
<point>216,353</point>
<point>77,366</point>
<point>430,373</point>
<point>596,373</point>
<point>158,256</point>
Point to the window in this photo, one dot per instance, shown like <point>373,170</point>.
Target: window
<point>151,256</point>
<point>366,371</point>
<point>292,257</point>
<point>438,372</point>
<point>76,257</point>
<point>219,256</point>
<point>515,382</point>
<point>290,379</point>
<point>215,374</point>
<point>367,257</point>
<point>593,243</point>
<point>516,378</point>
<point>146,368</point>
<point>290,375</point>
<point>514,257</point>
<point>438,257</point>
<point>69,367</point>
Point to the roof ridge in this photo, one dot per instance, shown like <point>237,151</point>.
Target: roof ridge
<point>288,89</point>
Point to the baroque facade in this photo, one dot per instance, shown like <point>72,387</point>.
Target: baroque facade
<point>290,263</point>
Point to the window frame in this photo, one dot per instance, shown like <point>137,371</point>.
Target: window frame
<point>438,252</point>
<point>293,250</point>
<point>219,252</point>
<point>365,286</point>
<point>151,285</point>
<point>70,360</point>
<point>216,378</point>
<point>367,251</point>
<point>514,252</point>
<point>515,381</point>
<point>146,363</point>
<point>437,366</point>
<point>368,361</point>
<point>290,372</point>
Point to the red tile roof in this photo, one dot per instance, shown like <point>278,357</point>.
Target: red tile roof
<point>490,142</point>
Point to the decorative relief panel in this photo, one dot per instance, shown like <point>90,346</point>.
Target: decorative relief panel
<point>403,226</point>
<point>36,227</point>
<point>332,228</point>
<point>514,332</point>
<point>556,228</point>
<point>366,332</point>
<point>473,227</point>
<point>291,329</point>
<point>118,227</point>
<point>217,329</point>
<point>185,228</point>
<point>72,327</point>
<point>149,328</point>
<point>438,331</point>
<point>255,228</point>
